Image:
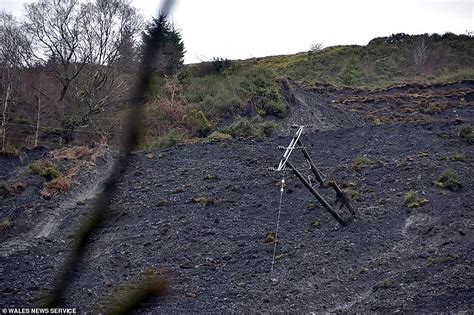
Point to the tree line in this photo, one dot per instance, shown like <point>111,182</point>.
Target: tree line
<point>66,61</point>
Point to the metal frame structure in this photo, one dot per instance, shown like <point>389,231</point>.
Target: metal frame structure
<point>285,165</point>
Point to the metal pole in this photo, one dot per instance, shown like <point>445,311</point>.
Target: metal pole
<point>316,194</point>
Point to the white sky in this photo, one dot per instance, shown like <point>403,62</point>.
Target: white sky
<point>238,29</point>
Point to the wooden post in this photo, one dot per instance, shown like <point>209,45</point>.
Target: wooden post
<point>314,169</point>
<point>340,194</point>
<point>316,194</point>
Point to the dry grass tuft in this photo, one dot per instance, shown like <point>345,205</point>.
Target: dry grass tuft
<point>5,224</point>
<point>83,153</point>
<point>55,187</point>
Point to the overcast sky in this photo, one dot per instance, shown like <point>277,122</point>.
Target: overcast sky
<point>238,29</point>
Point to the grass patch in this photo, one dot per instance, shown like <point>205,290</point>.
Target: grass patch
<point>383,62</point>
<point>7,190</point>
<point>358,272</point>
<point>466,134</point>
<point>458,157</point>
<point>5,224</point>
<point>210,177</point>
<point>204,200</point>
<point>385,284</point>
<point>411,200</point>
<point>218,136</point>
<point>254,127</point>
<point>449,179</point>
<point>270,237</point>
<point>170,138</point>
<point>360,162</point>
<point>45,168</point>
<point>441,260</point>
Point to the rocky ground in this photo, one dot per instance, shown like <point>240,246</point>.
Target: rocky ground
<point>202,212</point>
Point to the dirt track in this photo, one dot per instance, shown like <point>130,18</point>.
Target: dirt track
<point>388,259</point>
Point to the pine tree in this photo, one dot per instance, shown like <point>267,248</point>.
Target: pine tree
<point>167,42</point>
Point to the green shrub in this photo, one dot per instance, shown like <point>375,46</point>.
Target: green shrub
<point>360,162</point>
<point>384,284</point>
<point>7,190</point>
<point>218,136</point>
<point>170,138</point>
<point>449,179</point>
<point>411,200</point>
<point>459,157</point>
<point>466,134</point>
<point>5,224</point>
<point>441,260</point>
<point>251,128</point>
<point>464,130</point>
<point>410,197</point>
<point>219,65</point>
<point>204,200</point>
<point>351,73</point>
<point>266,93</point>
<point>198,122</point>
<point>45,168</point>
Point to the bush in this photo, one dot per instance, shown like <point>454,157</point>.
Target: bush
<point>410,197</point>
<point>351,73</point>
<point>411,200</point>
<point>170,138</point>
<point>218,65</point>
<point>5,224</point>
<point>466,134</point>
<point>449,179</point>
<point>458,157</point>
<point>218,136</point>
<point>251,128</point>
<point>45,168</point>
<point>441,260</point>
<point>465,130</point>
<point>7,190</point>
<point>265,92</point>
<point>198,123</point>
<point>360,161</point>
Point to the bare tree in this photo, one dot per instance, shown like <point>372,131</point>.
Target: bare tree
<point>55,26</point>
<point>82,43</point>
<point>315,47</point>
<point>420,52</point>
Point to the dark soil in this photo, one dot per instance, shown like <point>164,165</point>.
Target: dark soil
<point>389,258</point>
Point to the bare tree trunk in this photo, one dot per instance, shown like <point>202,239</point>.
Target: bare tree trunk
<point>172,95</point>
<point>38,102</point>
<point>4,116</point>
